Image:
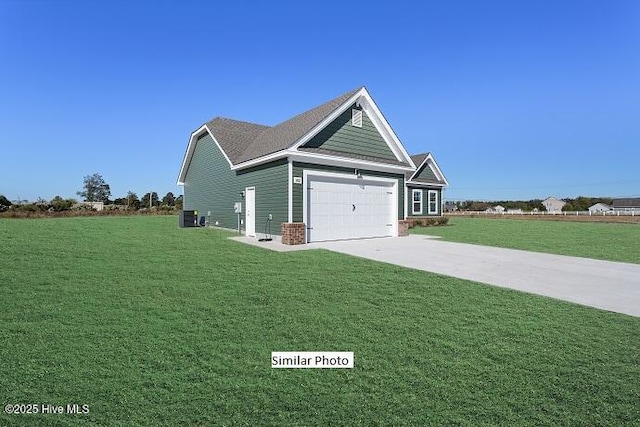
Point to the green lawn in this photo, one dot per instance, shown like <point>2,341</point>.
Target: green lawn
<point>149,324</point>
<point>612,242</point>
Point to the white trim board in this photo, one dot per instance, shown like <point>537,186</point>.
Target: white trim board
<point>290,190</point>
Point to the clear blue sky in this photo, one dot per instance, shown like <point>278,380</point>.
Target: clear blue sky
<point>516,99</point>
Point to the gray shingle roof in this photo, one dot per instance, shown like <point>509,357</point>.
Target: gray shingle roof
<point>243,141</point>
<point>417,160</point>
<point>630,202</point>
<point>234,136</point>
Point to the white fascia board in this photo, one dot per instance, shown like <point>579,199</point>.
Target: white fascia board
<point>189,154</point>
<point>219,147</point>
<point>191,148</point>
<point>323,159</point>
<point>424,184</point>
<point>260,160</point>
<point>347,176</point>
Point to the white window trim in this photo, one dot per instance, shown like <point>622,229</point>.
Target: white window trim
<point>413,202</point>
<point>430,192</point>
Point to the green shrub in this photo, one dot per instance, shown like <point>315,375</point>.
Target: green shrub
<point>428,221</point>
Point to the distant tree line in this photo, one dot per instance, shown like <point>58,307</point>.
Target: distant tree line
<point>95,189</point>
<point>580,203</point>
<point>474,205</point>
<point>584,203</point>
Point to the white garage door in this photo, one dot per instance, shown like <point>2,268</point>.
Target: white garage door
<point>348,208</point>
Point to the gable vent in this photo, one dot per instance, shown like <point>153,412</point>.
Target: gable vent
<point>356,118</point>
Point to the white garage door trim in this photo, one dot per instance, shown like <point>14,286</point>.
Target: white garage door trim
<point>390,183</point>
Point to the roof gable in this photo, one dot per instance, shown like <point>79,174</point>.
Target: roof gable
<point>340,137</point>
<point>246,144</point>
<point>427,171</point>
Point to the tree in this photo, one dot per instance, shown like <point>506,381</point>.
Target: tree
<point>132,200</point>
<point>41,204</point>
<point>169,199</point>
<point>4,203</point>
<point>95,189</point>
<point>179,202</point>
<point>59,204</point>
<point>145,203</point>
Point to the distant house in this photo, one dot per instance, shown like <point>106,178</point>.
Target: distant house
<point>495,209</point>
<point>599,208</point>
<point>515,211</point>
<point>552,204</point>
<point>627,205</point>
<point>450,206</point>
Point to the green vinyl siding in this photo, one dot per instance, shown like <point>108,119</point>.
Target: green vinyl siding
<point>210,185</point>
<point>342,137</point>
<point>270,181</point>
<point>425,202</point>
<point>427,174</point>
<point>298,189</point>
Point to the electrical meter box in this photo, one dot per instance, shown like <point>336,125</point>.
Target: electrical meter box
<point>237,207</point>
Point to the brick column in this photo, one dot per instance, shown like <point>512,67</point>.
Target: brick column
<point>403,228</point>
<point>293,233</point>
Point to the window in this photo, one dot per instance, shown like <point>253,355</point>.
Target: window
<point>433,202</point>
<point>356,118</point>
<point>417,202</point>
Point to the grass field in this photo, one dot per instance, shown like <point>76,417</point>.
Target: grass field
<point>606,241</point>
<point>149,324</point>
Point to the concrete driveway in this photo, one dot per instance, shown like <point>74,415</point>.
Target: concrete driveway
<point>613,286</point>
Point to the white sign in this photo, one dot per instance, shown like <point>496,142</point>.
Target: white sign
<point>312,359</point>
<point>297,180</point>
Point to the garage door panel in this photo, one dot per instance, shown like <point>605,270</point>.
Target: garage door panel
<point>343,208</point>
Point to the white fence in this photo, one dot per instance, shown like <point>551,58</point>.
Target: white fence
<point>630,212</point>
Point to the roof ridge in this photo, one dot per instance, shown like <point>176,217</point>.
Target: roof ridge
<point>235,120</point>
<point>425,154</point>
